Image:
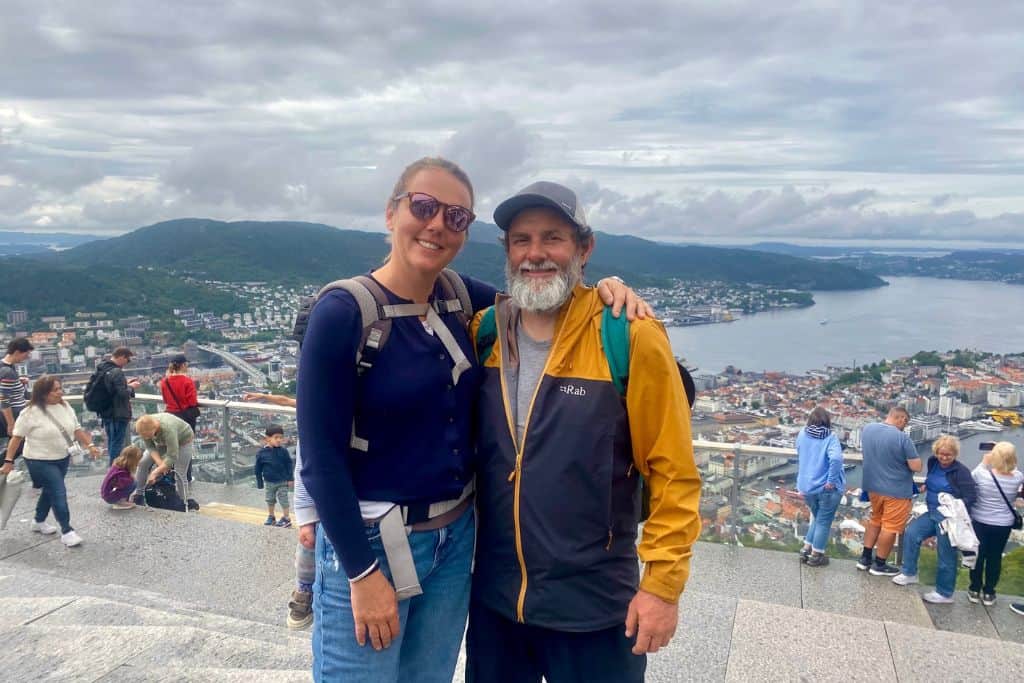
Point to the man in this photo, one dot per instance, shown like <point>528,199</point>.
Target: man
<point>555,588</point>
<point>12,386</point>
<point>116,417</point>
<point>890,460</point>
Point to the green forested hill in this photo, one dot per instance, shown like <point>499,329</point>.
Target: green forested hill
<point>149,270</point>
<point>309,252</point>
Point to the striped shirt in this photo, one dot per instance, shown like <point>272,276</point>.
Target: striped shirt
<point>12,391</point>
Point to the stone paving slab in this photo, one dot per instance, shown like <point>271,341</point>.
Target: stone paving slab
<point>1009,624</point>
<point>700,649</point>
<point>961,617</point>
<point>841,588</point>
<point>192,558</point>
<point>89,610</point>
<point>746,573</point>
<point>780,643</point>
<point>205,675</point>
<point>18,611</point>
<point>202,648</point>
<point>69,653</point>
<point>963,657</point>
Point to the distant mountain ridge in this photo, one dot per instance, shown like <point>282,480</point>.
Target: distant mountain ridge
<point>141,271</point>
<point>313,253</point>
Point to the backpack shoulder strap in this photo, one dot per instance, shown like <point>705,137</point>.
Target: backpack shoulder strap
<point>372,302</point>
<point>486,335</point>
<point>456,296</point>
<point>615,341</point>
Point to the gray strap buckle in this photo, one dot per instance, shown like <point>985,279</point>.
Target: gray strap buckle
<point>395,538</point>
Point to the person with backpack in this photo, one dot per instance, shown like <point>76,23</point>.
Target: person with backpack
<point>386,386</point>
<point>109,395</point>
<point>556,588</point>
<point>170,447</point>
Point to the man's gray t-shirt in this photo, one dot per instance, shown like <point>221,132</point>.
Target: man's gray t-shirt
<point>533,355</point>
<point>886,452</point>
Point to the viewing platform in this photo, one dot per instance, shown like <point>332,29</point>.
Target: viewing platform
<point>152,595</point>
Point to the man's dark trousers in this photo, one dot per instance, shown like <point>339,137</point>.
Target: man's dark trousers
<point>117,431</point>
<point>499,650</point>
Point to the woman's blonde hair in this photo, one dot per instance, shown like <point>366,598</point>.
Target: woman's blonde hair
<point>129,458</point>
<point>1004,457</point>
<point>947,440</point>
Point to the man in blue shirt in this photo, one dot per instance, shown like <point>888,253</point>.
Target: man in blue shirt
<point>890,460</point>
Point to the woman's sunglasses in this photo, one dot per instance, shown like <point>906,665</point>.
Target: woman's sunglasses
<point>424,207</point>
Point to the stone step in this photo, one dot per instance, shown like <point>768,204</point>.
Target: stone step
<point>178,674</point>
<point>40,650</point>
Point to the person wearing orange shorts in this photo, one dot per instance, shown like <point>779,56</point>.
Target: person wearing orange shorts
<point>890,460</point>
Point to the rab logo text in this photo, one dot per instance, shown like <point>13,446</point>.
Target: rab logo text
<point>573,391</point>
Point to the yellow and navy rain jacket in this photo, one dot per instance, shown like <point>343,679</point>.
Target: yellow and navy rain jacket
<point>558,512</point>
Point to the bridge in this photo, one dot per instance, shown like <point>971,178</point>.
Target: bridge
<point>256,375</point>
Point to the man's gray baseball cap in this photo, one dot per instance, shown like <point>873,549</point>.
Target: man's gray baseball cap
<point>543,194</point>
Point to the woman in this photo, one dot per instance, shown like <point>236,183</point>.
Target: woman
<point>412,447</point>
<point>945,475</point>
<point>998,481</point>
<point>821,480</point>
<point>48,428</point>
<point>179,392</point>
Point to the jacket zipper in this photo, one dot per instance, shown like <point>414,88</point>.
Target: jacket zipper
<point>516,475</point>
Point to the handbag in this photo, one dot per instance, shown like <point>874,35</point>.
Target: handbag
<point>75,450</point>
<point>1018,521</point>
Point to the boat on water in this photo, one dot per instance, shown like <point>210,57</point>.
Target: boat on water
<point>983,425</point>
<point>824,321</point>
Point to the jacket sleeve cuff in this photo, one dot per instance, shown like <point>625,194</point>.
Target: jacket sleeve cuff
<point>654,583</point>
<point>304,516</point>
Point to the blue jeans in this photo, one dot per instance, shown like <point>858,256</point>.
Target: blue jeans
<point>432,624</point>
<point>823,506</point>
<point>48,475</point>
<point>926,526</point>
<point>116,431</point>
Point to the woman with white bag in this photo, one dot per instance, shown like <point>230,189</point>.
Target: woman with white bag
<point>49,429</point>
<point>945,475</point>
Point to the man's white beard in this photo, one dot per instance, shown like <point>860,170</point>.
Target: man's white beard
<point>539,296</point>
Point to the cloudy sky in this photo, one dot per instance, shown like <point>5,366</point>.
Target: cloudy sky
<point>704,121</point>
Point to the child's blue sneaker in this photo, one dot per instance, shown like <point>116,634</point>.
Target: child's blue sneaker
<point>284,523</point>
<point>270,521</point>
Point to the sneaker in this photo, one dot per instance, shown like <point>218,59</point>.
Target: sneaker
<point>44,528</point>
<point>191,504</point>
<point>974,597</point>
<point>1017,608</point>
<point>70,539</point>
<point>805,552</point>
<point>902,579</point>
<point>270,521</point>
<point>988,599</point>
<point>883,570</point>
<point>300,609</point>
<point>936,598</point>
<point>864,562</point>
<point>284,523</point>
<point>123,505</point>
<point>817,560</point>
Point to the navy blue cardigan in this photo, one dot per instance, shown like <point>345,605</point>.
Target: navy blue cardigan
<point>418,423</point>
<point>960,480</point>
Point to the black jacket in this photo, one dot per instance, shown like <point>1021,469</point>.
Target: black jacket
<point>273,465</point>
<point>960,480</point>
<point>120,393</point>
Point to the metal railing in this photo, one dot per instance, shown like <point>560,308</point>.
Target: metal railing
<point>220,424</point>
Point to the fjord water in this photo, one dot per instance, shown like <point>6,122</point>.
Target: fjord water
<point>865,326</point>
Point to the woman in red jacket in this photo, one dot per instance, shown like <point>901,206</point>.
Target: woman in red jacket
<point>179,391</point>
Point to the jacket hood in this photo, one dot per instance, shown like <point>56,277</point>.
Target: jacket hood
<point>106,365</point>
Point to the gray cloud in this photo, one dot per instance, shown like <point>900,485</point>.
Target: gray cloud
<point>820,118</point>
